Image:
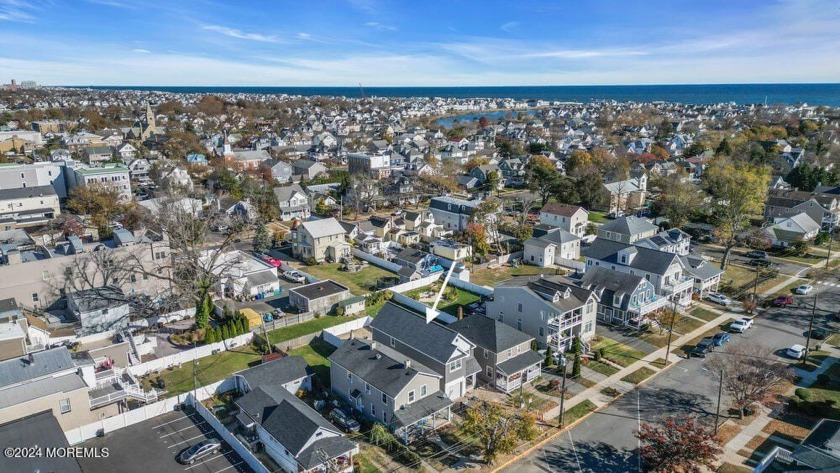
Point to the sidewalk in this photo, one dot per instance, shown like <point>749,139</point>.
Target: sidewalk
<point>614,381</point>
<point>740,441</point>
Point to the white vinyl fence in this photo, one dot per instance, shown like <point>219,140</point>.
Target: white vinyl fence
<point>422,282</point>
<point>228,437</point>
<point>187,356</point>
<point>332,335</point>
<point>386,265</point>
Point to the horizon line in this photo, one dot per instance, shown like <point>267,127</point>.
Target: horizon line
<point>446,86</point>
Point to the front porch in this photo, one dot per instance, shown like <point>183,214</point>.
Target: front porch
<point>563,328</point>
<point>417,420</point>
<point>513,373</point>
<point>636,312</point>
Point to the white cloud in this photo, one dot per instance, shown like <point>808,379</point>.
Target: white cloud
<point>304,36</point>
<point>234,33</point>
<point>509,26</point>
<point>140,51</point>
<point>17,10</point>
<point>379,26</point>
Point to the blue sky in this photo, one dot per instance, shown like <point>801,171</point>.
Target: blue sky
<point>397,43</point>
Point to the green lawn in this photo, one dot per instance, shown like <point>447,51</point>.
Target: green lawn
<point>464,299</point>
<point>687,325</point>
<point>639,375</point>
<point>825,396</point>
<point>704,314</point>
<point>619,353</point>
<point>834,340</point>
<point>208,370</point>
<point>316,354</point>
<point>360,283</point>
<point>312,326</point>
<point>602,368</point>
<point>579,410</point>
<point>490,277</point>
<point>597,216</point>
<point>737,276</point>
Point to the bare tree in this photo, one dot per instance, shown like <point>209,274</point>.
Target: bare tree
<point>750,374</point>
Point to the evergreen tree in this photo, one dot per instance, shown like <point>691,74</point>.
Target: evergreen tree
<point>209,335</point>
<point>724,148</point>
<point>549,360</point>
<point>202,312</point>
<point>227,313</point>
<point>261,239</point>
<point>225,332</point>
<point>576,348</point>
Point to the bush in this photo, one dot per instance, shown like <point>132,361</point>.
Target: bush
<point>310,261</point>
<point>597,355</point>
<point>804,394</point>
<point>602,352</point>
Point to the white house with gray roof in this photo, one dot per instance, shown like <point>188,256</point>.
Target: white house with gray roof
<point>293,202</point>
<point>555,247</point>
<point>629,229</point>
<point>551,309</point>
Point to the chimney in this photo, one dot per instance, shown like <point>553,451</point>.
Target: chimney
<point>407,363</point>
<point>373,345</point>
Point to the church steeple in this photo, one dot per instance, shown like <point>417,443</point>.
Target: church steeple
<point>150,117</point>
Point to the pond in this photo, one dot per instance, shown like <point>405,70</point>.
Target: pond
<point>449,122</point>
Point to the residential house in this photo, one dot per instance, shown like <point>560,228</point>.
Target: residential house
<point>451,250</point>
<point>377,166</point>
<point>28,206</point>
<point>822,207</point>
<point>100,309</point>
<point>16,176</point>
<point>110,176</point>
<point>97,154</point>
<point>571,218</point>
<point>452,213</point>
<point>139,168</point>
<point>293,434</point>
<point>241,274</point>
<point>443,350</point>
<point>705,274</point>
<point>42,430</point>
<point>623,298</point>
<point>321,240</point>
<point>418,260</point>
<point>787,231</point>
<point>817,452</point>
<point>14,329</point>
<point>247,158</point>
<point>504,353</point>
<point>550,309</point>
<point>197,159</point>
<point>661,268</point>
<point>321,297</point>
<point>673,241</point>
<point>292,373</point>
<point>556,247</point>
<point>629,229</point>
<point>387,386</point>
<point>178,177</point>
<point>281,171</point>
<point>308,169</point>
<point>293,202</point>
<point>626,194</point>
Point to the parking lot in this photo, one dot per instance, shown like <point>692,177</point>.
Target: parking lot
<point>154,444</point>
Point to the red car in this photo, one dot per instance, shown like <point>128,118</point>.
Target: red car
<point>272,261</point>
<point>783,301</point>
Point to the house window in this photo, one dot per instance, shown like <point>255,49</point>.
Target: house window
<point>542,331</point>
<point>367,388</point>
<point>384,399</point>
<point>64,405</point>
<point>372,409</point>
<point>455,365</point>
<point>350,377</point>
<point>609,235</point>
<point>393,342</point>
<point>519,307</point>
<point>423,391</point>
<point>385,417</point>
<point>34,297</point>
<point>490,372</point>
<point>411,396</point>
<point>486,354</point>
<point>510,352</point>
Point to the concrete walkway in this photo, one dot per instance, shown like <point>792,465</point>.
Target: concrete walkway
<point>614,381</point>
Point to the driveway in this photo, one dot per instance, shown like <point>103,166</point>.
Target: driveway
<point>605,441</point>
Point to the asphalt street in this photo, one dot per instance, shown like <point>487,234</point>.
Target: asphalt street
<point>784,266</point>
<point>605,442</point>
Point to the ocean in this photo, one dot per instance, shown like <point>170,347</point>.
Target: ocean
<point>812,94</point>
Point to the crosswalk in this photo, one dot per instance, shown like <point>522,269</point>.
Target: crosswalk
<point>832,284</point>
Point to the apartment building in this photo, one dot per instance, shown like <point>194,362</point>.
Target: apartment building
<point>27,206</point>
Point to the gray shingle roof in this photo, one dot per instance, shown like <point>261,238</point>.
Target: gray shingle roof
<point>543,286</point>
<point>489,333</point>
<point>276,373</point>
<point>433,339</point>
<point>42,363</point>
<point>382,367</point>
<point>519,362</point>
<point>320,289</point>
<point>27,192</point>
<point>629,225</point>
<point>323,228</point>
<point>424,407</point>
<point>646,259</point>
<point>292,423</point>
<point>821,448</point>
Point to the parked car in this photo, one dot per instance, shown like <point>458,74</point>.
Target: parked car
<point>344,421</point>
<point>740,326</point>
<point>720,338</point>
<point>294,276</point>
<point>756,254</point>
<point>703,347</point>
<point>804,289</point>
<point>719,298</point>
<point>200,450</point>
<point>783,301</point>
<point>796,351</point>
<point>760,262</point>
<point>272,261</point>
<point>819,334</point>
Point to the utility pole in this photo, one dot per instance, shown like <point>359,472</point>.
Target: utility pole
<point>563,394</point>
<point>810,328</point>
<point>755,287</point>
<point>720,392</point>
<point>671,331</point>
